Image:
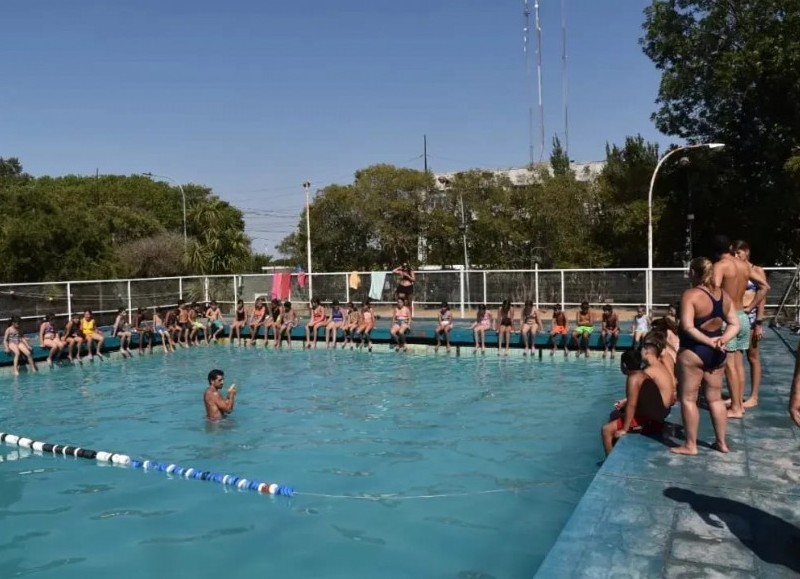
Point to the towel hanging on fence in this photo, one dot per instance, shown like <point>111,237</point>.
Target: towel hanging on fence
<point>377,281</point>
<point>355,280</point>
<point>302,277</point>
<point>281,286</point>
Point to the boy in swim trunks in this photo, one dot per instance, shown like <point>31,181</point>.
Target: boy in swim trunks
<point>584,328</point>
<point>160,329</point>
<point>183,324</point>
<point>216,323</point>
<point>650,394</point>
<point>558,327</point>
<point>610,330</point>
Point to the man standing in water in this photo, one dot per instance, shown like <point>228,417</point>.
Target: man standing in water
<point>732,275</point>
<point>216,405</point>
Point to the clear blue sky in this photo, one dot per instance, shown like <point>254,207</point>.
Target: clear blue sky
<point>253,97</point>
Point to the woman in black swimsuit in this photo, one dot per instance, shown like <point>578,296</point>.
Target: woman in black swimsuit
<point>405,287</point>
<point>238,322</point>
<point>506,316</point>
<point>701,360</point>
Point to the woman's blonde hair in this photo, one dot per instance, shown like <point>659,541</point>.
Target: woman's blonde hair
<point>702,270</point>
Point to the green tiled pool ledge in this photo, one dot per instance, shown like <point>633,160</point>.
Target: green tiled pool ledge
<point>649,513</point>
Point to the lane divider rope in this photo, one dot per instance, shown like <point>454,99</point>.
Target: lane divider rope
<point>240,483</point>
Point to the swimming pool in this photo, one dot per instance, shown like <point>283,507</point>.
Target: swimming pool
<point>511,442</point>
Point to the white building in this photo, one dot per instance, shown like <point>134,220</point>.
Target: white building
<point>525,176</point>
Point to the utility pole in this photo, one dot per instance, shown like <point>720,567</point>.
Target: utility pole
<point>307,188</point>
<point>425,151</point>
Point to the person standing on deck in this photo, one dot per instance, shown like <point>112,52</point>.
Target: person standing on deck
<point>405,286</point>
<point>755,313</point>
<point>705,308</point>
<point>732,275</point>
<point>794,396</point>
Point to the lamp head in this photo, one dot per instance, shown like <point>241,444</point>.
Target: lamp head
<point>715,146</point>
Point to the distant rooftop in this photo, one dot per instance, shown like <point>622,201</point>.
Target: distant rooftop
<point>587,171</point>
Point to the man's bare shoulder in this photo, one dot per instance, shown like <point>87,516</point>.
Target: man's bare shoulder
<point>658,372</point>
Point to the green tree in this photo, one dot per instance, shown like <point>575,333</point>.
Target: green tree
<point>559,160</point>
<point>376,222</point>
<point>622,194</point>
<point>78,227</point>
<point>219,244</point>
<point>730,74</point>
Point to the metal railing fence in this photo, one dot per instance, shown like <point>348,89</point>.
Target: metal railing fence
<point>463,290</point>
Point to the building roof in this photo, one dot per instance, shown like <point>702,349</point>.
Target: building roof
<point>586,171</point>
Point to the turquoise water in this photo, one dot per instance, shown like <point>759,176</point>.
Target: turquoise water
<point>513,442</point>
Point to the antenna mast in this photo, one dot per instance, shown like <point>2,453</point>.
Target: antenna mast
<point>526,29</point>
<point>564,78</point>
<point>539,76</point>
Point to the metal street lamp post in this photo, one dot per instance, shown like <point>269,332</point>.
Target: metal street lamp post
<point>649,276</point>
<point>307,189</point>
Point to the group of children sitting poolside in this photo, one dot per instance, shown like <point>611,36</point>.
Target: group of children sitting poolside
<point>355,323</point>
<point>530,324</point>
<point>188,325</point>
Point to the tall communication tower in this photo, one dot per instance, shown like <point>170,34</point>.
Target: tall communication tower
<point>526,14</point>
<point>564,77</point>
<point>539,76</point>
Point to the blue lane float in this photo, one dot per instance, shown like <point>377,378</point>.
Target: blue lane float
<point>240,483</point>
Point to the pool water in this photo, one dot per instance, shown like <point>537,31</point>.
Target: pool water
<point>436,466</point>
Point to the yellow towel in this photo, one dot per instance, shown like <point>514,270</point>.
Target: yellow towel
<point>355,280</point>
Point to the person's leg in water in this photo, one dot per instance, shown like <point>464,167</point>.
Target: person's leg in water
<point>501,332</point>
<point>14,349</point>
<point>402,338</point>
<point>447,337</point>
<point>576,337</point>
<point>77,341</point>
<point>613,340</point>
<point>24,350</point>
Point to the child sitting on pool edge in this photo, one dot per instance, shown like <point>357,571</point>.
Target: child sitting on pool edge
<point>650,393</point>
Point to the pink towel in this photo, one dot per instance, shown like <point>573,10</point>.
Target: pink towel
<point>281,285</point>
<point>286,286</point>
<point>301,279</point>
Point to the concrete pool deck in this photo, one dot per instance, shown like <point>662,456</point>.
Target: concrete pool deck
<point>650,513</point>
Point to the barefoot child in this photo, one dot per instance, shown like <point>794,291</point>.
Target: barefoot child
<point>444,327</point>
